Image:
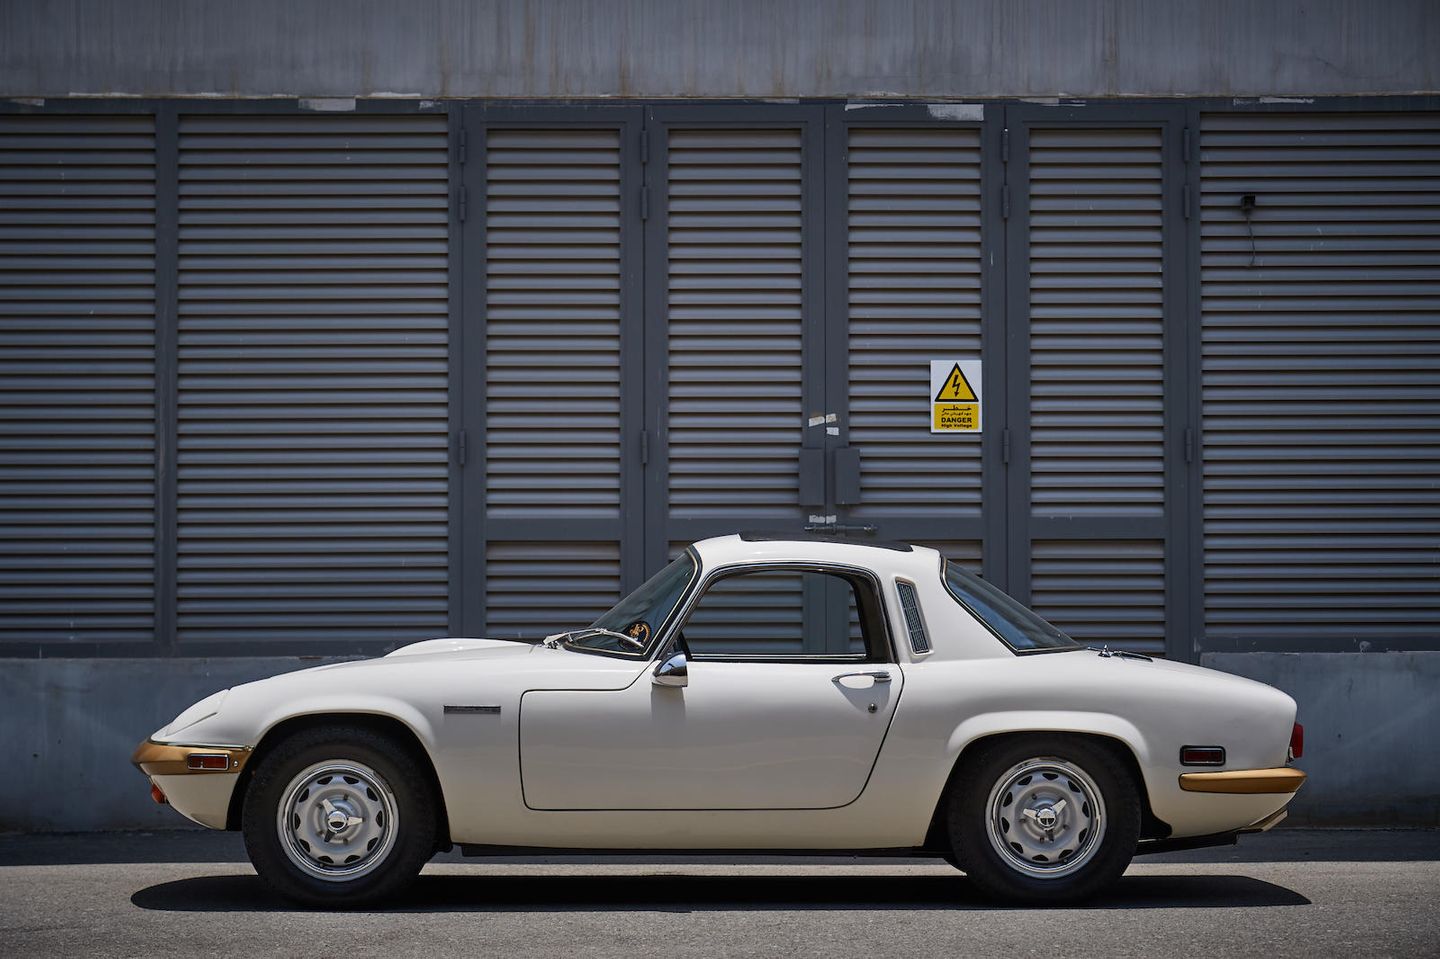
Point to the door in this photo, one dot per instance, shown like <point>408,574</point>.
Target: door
<point>552,387</point>
<point>734,344</point>
<point>912,202</point>
<point>1096,379</point>
<point>763,722</point>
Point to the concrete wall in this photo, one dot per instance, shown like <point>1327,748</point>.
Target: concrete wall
<point>718,48</point>
<point>68,726</point>
<point>1372,732</point>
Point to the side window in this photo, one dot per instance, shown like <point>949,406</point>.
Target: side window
<point>785,613</point>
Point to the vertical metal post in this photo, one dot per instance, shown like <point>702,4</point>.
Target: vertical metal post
<point>167,301</point>
<point>995,471</point>
<point>470,383</point>
<point>455,306</point>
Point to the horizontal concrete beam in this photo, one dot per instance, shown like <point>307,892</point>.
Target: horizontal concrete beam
<point>704,48</point>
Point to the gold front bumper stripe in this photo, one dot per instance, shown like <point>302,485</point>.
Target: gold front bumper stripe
<point>173,759</point>
<point>1248,781</point>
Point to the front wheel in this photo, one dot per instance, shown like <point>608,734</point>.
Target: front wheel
<point>339,816</point>
<point>1044,819</point>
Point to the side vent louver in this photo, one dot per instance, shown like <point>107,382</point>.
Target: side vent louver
<point>919,642</point>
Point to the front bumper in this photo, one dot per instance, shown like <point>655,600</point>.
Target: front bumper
<point>173,759</point>
<point>1281,780</point>
<point>197,779</point>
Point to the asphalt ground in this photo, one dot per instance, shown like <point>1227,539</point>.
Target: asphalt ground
<point>1290,892</point>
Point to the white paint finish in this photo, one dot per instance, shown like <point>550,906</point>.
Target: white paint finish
<point>738,736</point>
<point>781,734</point>
<point>202,798</point>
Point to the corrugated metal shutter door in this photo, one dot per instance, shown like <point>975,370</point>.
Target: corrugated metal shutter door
<point>1097,377</point>
<point>552,376</point>
<point>1321,377</point>
<point>914,295</point>
<point>77,379</point>
<point>313,441</point>
<point>734,324</point>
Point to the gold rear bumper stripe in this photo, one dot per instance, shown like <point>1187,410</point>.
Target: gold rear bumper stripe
<point>1249,781</point>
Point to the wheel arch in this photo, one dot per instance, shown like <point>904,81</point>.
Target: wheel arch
<point>383,723</point>
<point>1113,733</point>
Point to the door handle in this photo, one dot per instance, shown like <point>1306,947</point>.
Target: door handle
<point>880,676</point>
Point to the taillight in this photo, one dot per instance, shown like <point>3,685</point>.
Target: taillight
<point>1297,741</point>
<point>158,794</point>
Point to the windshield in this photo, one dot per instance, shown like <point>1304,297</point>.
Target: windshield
<point>642,614</point>
<point>1020,628</point>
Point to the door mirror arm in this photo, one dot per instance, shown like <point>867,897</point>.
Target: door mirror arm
<point>672,671</point>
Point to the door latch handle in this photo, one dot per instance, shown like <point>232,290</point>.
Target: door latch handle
<point>879,676</point>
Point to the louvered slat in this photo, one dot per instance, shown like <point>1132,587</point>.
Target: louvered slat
<point>535,589</point>
<point>552,331</point>
<point>313,349</point>
<point>1110,592</point>
<point>1321,377</point>
<point>734,324</point>
<point>77,379</point>
<point>914,295</point>
<point>1097,385</point>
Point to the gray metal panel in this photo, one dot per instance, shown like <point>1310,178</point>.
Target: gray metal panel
<point>1095,265</point>
<point>77,379</point>
<point>553,323</point>
<point>735,323</point>
<point>914,277</point>
<point>1106,591</point>
<point>313,452</point>
<point>535,589</point>
<point>1321,378</point>
<point>1096,322</point>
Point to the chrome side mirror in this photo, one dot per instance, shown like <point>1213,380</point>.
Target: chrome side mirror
<point>673,671</point>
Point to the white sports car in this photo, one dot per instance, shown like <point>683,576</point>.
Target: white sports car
<point>760,693</point>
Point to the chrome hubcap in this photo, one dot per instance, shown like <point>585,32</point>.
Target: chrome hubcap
<point>1046,817</point>
<point>337,820</point>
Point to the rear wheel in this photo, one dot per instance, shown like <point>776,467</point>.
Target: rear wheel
<point>1044,818</point>
<point>339,816</point>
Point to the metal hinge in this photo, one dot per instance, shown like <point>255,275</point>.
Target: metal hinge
<point>1187,200</point>
<point>644,146</point>
<point>1005,202</point>
<point>461,447</point>
<point>1005,145</point>
<point>1189,444</point>
<point>644,447</point>
<point>463,146</point>
<point>645,203</point>
<point>1187,144</point>
<point>464,202</point>
<point>1005,446</point>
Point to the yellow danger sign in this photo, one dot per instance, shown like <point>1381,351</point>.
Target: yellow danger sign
<point>955,396</point>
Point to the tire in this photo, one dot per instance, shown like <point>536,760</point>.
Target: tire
<point>339,816</point>
<point>1078,821</point>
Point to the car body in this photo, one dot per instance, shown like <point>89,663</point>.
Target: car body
<point>651,741</point>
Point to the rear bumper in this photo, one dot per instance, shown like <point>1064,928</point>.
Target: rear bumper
<point>1281,780</point>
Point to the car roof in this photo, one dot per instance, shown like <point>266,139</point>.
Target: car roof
<point>782,547</point>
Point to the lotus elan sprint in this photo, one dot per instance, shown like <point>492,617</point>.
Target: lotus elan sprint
<point>761,693</point>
